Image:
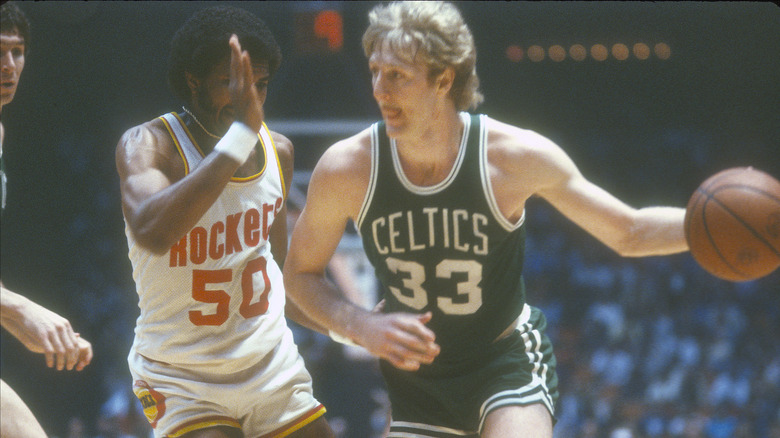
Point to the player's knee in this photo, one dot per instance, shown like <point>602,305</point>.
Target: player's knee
<point>518,421</point>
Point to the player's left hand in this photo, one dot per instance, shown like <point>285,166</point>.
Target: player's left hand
<point>244,96</point>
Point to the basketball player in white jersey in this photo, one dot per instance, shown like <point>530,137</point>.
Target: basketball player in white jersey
<point>38,328</point>
<point>203,197</point>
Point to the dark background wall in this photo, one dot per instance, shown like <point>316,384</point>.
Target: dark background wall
<point>649,130</point>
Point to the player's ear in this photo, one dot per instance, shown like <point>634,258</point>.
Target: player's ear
<point>192,82</point>
<point>445,80</point>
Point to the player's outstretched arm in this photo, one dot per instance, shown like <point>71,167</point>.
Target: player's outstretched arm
<point>631,232</point>
<point>43,331</point>
<point>529,160</point>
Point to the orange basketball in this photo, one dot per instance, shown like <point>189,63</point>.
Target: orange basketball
<point>732,224</point>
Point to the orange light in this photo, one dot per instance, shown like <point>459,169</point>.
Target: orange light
<point>329,25</point>
<point>578,52</point>
<point>662,51</point>
<point>535,53</point>
<point>557,53</point>
<point>641,51</point>
<point>514,53</point>
<point>599,52</point>
<point>620,51</point>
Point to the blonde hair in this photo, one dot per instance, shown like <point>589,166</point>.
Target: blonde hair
<point>433,33</point>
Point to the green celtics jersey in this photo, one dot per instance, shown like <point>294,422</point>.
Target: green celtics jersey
<point>445,248</point>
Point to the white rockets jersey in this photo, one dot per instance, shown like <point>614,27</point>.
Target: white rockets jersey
<point>216,298</point>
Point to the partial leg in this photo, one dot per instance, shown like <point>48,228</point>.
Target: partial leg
<point>519,421</point>
<point>18,420</point>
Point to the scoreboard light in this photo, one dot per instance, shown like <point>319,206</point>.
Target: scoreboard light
<point>319,32</point>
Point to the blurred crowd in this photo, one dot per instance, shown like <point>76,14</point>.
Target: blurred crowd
<point>654,347</point>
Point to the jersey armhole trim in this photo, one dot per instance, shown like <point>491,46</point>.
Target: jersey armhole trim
<point>372,177</point>
<point>175,138</point>
<point>484,167</point>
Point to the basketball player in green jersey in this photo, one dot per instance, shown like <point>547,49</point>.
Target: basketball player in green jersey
<point>38,328</point>
<point>439,196</point>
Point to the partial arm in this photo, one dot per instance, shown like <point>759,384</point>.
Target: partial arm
<point>43,331</point>
<point>336,190</point>
<point>629,231</point>
<point>159,204</point>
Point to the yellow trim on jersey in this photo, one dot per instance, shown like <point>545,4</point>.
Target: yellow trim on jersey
<point>176,141</point>
<point>278,162</point>
<point>265,161</point>
<point>189,135</point>
<point>204,423</point>
<point>203,155</point>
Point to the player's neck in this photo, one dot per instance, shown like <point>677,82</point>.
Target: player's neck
<point>428,157</point>
<point>202,136</point>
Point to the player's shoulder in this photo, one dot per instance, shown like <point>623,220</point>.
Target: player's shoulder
<point>349,152</point>
<point>150,132</point>
<point>284,146</point>
<point>280,140</point>
<point>148,144</point>
<point>502,134</point>
<point>346,162</point>
<point>508,143</point>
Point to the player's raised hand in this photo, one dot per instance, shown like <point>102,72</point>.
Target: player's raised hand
<point>244,96</point>
<point>400,338</point>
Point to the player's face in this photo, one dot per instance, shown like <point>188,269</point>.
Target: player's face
<point>212,97</point>
<point>405,95</point>
<point>12,47</point>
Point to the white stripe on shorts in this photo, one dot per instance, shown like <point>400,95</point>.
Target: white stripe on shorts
<point>534,392</point>
<point>419,430</point>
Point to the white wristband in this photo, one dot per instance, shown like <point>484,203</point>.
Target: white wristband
<point>341,339</point>
<point>237,142</point>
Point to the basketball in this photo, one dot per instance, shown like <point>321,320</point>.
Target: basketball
<point>732,224</point>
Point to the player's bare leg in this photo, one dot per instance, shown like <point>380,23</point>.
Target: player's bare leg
<point>17,419</point>
<point>519,421</point>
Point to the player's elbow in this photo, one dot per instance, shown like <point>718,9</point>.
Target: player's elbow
<point>290,278</point>
<point>633,243</point>
<point>628,247</point>
<point>152,240</point>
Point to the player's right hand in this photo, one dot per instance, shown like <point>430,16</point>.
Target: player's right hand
<point>46,332</point>
<point>84,353</point>
<point>400,338</point>
<point>244,96</point>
